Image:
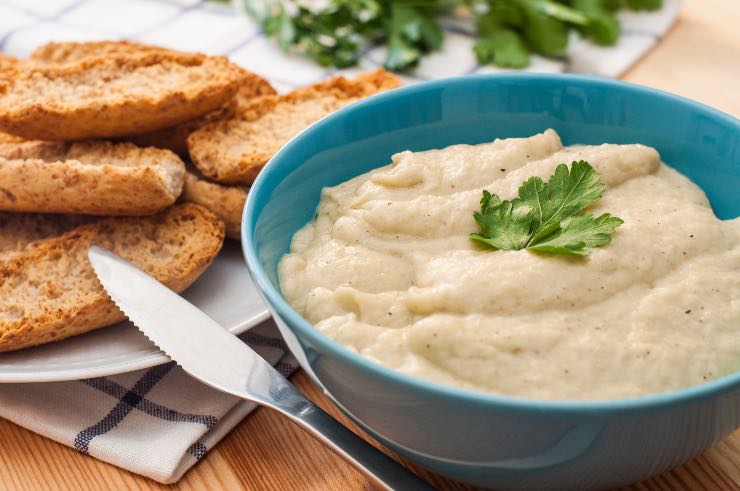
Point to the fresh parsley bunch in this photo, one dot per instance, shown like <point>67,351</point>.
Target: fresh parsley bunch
<point>547,216</point>
<point>335,32</point>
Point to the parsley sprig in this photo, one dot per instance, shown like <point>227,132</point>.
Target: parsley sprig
<point>547,216</point>
<point>335,32</point>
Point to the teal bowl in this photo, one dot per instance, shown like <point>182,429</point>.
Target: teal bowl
<point>484,439</point>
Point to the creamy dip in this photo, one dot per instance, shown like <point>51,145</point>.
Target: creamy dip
<point>387,269</point>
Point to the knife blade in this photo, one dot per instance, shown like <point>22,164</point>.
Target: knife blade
<point>216,357</point>
<point>186,334</point>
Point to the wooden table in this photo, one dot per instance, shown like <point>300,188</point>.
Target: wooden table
<point>699,58</point>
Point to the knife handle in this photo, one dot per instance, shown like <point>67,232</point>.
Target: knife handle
<point>385,472</point>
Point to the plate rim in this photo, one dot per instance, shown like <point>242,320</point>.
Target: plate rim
<point>147,360</point>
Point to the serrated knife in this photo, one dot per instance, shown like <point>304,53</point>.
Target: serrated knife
<point>217,358</point>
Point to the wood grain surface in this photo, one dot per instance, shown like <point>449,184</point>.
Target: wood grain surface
<point>699,59</point>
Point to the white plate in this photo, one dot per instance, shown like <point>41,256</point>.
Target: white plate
<point>225,292</point>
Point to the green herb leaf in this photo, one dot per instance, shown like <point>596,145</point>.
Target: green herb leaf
<point>644,4</point>
<point>561,12</point>
<point>545,34</point>
<point>335,32</point>
<point>505,48</point>
<point>602,25</point>
<point>412,31</point>
<point>499,44</point>
<point>504,225</point>
<point>566,193</point>
<point>574,235</point>
<point>546,216</point>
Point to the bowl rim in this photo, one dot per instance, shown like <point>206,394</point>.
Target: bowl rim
<point>469,396</point>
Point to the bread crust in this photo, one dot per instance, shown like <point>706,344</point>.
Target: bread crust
<point>51,292</point>
<point>234,150</point>
<point>227,202</point>
<point>8,63</point>
<point>175,138</point>
<point>70,52</point>
<point>95,178</point>
<point>22,232</point>
<point>103,97</point>
<point>172,138</point>
<point>8,138</point>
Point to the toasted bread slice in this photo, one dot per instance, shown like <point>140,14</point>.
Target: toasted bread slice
<point>51,292</point>
<point>250,85</point>
<point>22,232</point>
<point>8,63</point>
<point>70,52</point>
<point>175,138</point>
<point>234,150</point>
<point>95,178</point>
<point>227,202</point>
<point>115,95</point>
<point>8,138</point>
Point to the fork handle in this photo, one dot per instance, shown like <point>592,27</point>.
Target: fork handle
<point>385,472</point>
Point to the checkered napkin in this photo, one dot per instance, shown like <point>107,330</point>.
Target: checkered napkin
<point>157,422</point>
<point>160,422</point>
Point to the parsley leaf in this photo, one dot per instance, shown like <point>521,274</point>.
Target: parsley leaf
<point>644,4</point>
<point>566,194</point>
<point>573,235</point>
<point>546,216</point>
<point>601,25</point>
<point>544,34</point>
<point>499,43</point>
<point>504,225</point>
<point>503,48</point>
<point>412,31</point>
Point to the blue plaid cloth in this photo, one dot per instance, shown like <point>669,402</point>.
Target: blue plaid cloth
<point>160,422</point>
<point>157,422</point>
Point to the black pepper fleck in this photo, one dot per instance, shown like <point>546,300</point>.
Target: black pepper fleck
<point>688,311</point>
